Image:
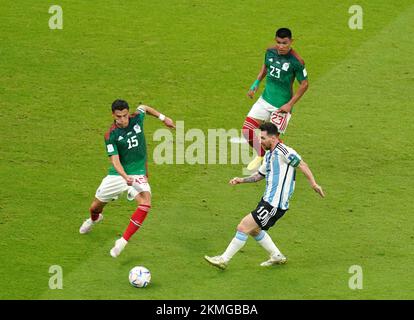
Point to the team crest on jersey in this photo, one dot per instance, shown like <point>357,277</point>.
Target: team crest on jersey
<point>120,138</point>
<point>137,128</point>
<point>271,59</point>
<point>285,66</point>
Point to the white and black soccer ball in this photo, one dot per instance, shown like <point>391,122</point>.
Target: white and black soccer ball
<point>139,277</point>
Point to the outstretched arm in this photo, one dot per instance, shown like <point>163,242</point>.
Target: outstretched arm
<point>303,166</point>
<point>167,121</point>
<point>253,178</point>
<point>255,85</point>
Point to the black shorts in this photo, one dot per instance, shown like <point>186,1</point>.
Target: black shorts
<point>266,215</point>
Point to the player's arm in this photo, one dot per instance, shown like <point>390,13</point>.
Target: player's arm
<point>302,76</point>
<point>155,113</point>
<point>304,84</point>
<point>253,178</point>
<point>256,83</point>
<point>120,169</point>
<point>303,166</point>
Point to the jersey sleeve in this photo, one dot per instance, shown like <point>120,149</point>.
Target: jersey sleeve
<point>289,155</point>
<point>300,72</point>
<point>140,114</point>
<point>266,61</point>
<point>111,147</point>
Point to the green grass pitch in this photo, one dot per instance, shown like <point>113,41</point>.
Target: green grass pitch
<point>194,61</point>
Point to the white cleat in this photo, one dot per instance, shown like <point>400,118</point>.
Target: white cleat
<point>279,259</point>
<point>216,261</point>
<point>87,225</point>
<point>119,246</point>
<point>255,163</point>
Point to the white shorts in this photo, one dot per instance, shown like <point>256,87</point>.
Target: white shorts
<point>112,187</point>
<point>263,110</point>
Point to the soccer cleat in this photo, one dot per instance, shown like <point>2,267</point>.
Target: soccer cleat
<point>279,259</point>
<point>255,163</point>
<point>88,224</point>
<point>216,261</point>
<point>119,246</point>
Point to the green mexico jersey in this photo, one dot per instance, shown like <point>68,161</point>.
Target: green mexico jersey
<point>129,144</point>
<point>281,73</point>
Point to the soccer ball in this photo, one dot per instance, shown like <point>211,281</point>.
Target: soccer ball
<point>139,277</point>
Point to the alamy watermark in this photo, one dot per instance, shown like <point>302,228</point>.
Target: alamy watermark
<point>356,280</point>
<point>56,280</point>
<point>56,20</point>
<point>356,20</point>
<point>194,146</point>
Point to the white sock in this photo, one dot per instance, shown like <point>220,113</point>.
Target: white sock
<point>235,245</point>
<point>267,243</point>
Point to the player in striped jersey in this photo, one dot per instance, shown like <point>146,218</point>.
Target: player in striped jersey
<point>278,168</point>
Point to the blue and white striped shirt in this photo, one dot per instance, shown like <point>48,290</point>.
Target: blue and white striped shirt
<point>279,169</point>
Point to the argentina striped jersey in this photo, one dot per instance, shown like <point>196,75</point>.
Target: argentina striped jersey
<point>279,170</point>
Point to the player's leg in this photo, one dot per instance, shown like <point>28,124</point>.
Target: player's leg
<point>137,219</point>
<point>246,225</point>
<point>142,195</point>
<point>249,126</point>
<point>267,218</point>
<point>257,115</point>
<point>95,210</point>
<point>263,238</point>
<point>108,190</point>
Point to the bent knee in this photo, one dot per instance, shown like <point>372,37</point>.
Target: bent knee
<point>243,228</point>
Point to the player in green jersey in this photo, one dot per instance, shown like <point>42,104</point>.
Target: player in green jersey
<point>281,66</point>
<point>126,148</point>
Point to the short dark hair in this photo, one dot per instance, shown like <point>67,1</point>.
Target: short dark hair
<point>284,33</point>
<point>270,128</point>
<point>119,104</point>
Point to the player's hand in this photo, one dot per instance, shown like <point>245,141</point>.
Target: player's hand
<point>129,180</point>
<point>318,189</point>
<point>286,108</point>
<point>169,123</point>
<point>251,93</point>
<point>236,181</point>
